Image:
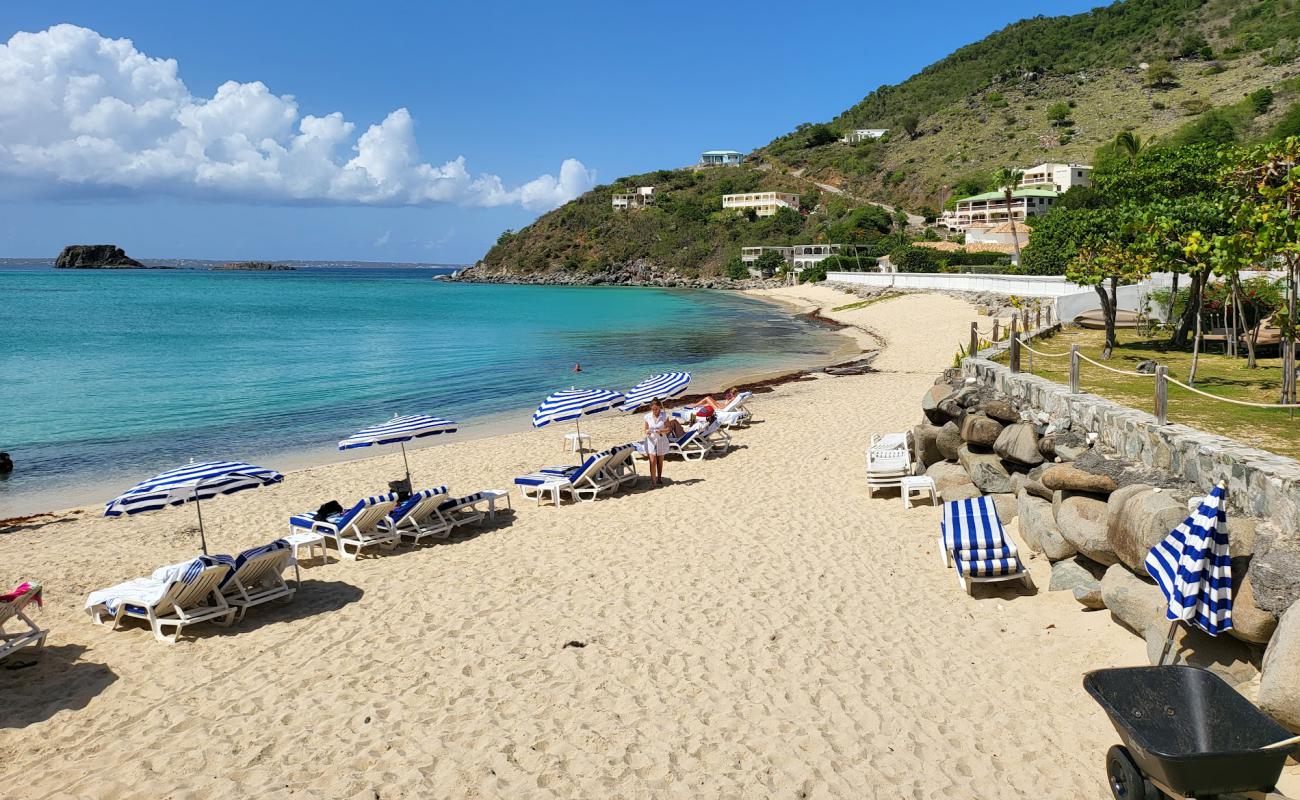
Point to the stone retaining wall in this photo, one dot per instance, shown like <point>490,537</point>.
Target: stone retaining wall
<point>1260,483</point>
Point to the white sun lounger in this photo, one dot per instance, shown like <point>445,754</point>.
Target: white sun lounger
<point>460,511</point>
<point>10,641</point>
<point>889,460</point>
<point>418,518</point>
<point>972,539</point>
<point>257,577</point>
<point>621,467</point>
<point>355,529</point>
<point>175,596</point>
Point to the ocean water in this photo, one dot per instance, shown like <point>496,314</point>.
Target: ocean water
<point>112,376</point>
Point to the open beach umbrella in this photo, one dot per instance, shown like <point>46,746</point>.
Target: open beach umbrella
<point>192,482</point>
<point>1193,568</point>
<point>669,384</point>
<point>399,430</point>
<point>572,404</point>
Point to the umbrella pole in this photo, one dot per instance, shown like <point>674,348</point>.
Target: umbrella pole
<point>1169,642</point>
<point>406,463</point>
<point>581,450</point>
<point>198,506</point>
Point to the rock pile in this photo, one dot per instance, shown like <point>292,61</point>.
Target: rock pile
<point>94,256</point>
<point>639,272</point>
<point>1095,517</point>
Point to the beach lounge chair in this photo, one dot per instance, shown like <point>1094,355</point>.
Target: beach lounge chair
<point>460,511</point>
<point>620,470</point>
<point>11,607</point>
<point>175,596</point>
<point>418,517</point>
<point>257,577</point>
<point>693,445</point>
<point>351,531</point>
<point>582,482</point>
<point>736,413</point>
<point>889,460</point>
<point>972,538</point>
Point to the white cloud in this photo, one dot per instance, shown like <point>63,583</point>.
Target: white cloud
<point>83,114</point>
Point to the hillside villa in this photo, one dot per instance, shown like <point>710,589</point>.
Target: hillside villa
<point>797,257</point>
<point>765,204</point>
<point>862,134</point>
<point>642,197</point>
<point>720,158</point>
<point>1038,189</point>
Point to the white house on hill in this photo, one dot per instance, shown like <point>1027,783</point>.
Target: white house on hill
<point>1060,177</point>
<point>765,204</point>
<point>642,197</point>
<point>862,134</point>
<point>720,158</point>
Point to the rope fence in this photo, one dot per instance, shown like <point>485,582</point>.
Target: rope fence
<point>1019,341</point>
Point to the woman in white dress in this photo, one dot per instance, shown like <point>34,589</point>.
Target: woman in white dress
<point>657,427</point>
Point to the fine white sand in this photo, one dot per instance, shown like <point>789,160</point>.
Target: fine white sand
<point>758,628</point>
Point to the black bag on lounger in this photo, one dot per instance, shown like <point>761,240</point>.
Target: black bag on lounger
<point>332,507</point>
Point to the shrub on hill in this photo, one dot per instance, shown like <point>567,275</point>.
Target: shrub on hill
<point>914,259</point>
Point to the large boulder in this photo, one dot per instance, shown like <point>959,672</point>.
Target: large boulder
<point>1019,443</point>
<point>1275,575</point>
<point>960,491</point>
<point>1001,409</point>
<point>985,469</point>
<point>979,429</point>
<point>1038,528</point>
<point>951,482</point>
<point>91,256</point>
<point>930,403</point>
<point>1250,623</point>
<point>1065,445</point>
<point>1279,687</point>
<point>948,440</point>
<point>1134,603</point>
<point>927,443</point>
<point>1005,504</point>
<point>1074,573</point>
<point>1081,519</point>
<point>1069,478</point>
<point>1138,518</point>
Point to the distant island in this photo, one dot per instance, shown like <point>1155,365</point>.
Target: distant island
<point>95,256</point>
<point>255,266</point>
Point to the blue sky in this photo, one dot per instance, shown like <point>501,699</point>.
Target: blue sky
<point>514,89</point>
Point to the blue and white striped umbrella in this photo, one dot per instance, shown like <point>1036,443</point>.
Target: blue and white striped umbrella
<point>1193,568</point>
<point>399,430</point>
<point>567,405</point>
<point>194,482</point>
<point>669,384</point>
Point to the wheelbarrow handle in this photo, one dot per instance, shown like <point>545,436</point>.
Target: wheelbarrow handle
<point>1294,740</point>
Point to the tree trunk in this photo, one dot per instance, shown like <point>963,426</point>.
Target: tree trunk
<point>1191,313</point>
<point>1196,345</point>
<point>1288,362</point>
<point>1108,314</point>
<point>1173,301</point>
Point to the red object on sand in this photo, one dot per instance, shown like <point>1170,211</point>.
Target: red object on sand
<point>22,589</point>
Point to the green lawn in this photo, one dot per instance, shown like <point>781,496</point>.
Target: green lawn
<point>1270,429</point>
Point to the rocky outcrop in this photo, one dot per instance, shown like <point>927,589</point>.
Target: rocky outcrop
<point>1075,573</point>
<point>1038,528</point>
<point>926,437</point>
<point>980,430</point>
<point>1136,604</point>
<point>1275,575</point>
<point>1250,623</point>
<point>256,266</point>
<point>930,403</point>
<point>94,256</point>
<point>640,272</point>
<point>948,440</point>
<point>1279,688</point>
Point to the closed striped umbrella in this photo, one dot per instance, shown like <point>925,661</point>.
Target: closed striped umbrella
<point>668,384</point>
<point>1193,567</point>
<point>193,482</point>
<point>572,404</point>
<point>399,430</point>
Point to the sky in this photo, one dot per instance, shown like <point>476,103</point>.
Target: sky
<point>406,131</point>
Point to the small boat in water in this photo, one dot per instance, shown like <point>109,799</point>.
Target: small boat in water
<point>1096,321</point>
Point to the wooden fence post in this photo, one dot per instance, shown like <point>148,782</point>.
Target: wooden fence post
<point>1038,318</point>
<point>1015,347</point>
<point>1162,394</point>
<point>974,339</point>
<point>1074,369</point>
<point>996,337</point>
<point>1049,316</point>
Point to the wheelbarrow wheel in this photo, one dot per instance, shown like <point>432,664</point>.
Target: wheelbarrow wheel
<point>1127,781</point>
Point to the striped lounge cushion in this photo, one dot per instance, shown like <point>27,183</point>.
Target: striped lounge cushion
<point>536,479</point>
<point>459,502</point>
<point>972,524</point>
<point>989,567</point>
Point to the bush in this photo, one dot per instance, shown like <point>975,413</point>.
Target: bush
<point>1261,100</point>
<point>814,273</point>
<point>770,263</point>
<point>1058,114</point>
<point>913,259</point>
<point>736,269</point>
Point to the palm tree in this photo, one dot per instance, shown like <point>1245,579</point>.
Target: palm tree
<point>1009,178</point>
<point>1130,144</point>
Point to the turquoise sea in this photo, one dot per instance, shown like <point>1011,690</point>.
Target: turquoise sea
<point>112,376</point>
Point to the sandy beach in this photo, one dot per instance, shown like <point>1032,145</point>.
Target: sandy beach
<point>757,628</point>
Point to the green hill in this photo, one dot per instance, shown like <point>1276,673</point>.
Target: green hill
<point>1042,89</point>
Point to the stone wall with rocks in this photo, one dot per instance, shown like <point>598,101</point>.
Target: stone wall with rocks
<point>1066,469</point>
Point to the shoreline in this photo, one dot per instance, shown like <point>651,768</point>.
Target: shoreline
<point>502,423</point>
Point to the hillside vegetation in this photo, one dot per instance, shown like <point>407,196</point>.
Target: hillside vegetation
<point>1043,89</point>
<point>686,231</point>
